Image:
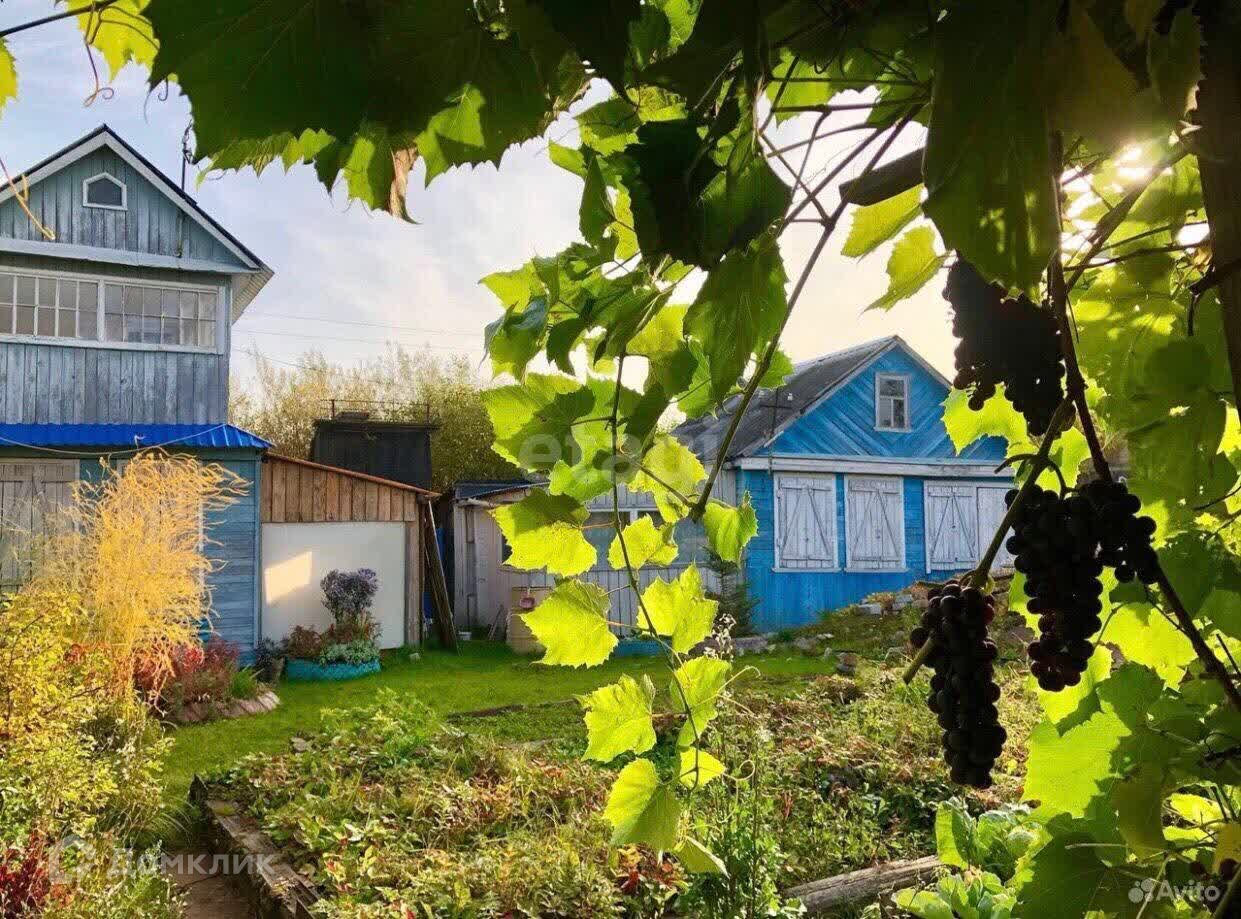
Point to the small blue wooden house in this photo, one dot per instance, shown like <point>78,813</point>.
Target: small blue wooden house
<point>117,297</point>
<point>855,481</point>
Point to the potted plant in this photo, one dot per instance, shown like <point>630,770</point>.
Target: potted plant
<point>348,647</point>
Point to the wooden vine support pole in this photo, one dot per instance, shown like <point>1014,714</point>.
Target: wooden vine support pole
<point>980,575</point>
<point>1219,162</point>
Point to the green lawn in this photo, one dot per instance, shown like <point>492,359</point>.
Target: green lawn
<point>482,675</point>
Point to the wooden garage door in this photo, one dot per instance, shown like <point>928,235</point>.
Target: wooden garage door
<point>31,493</point>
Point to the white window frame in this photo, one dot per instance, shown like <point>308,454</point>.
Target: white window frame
<point>778,517</point>
<point>86,183</point>
<point>221,311</point>
<point>904,380</point>
<point>902,564</point>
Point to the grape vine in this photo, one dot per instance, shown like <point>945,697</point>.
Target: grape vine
<point>1053,134</point>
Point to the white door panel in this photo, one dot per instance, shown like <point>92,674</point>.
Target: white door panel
<point>875,523</point>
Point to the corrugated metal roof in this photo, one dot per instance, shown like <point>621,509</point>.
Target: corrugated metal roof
<point>129,436</point>
<point>771,407</point>
<point>465,490</point>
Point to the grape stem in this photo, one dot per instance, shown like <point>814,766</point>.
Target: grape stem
<point>1231,894</point>
<point>981,574</point>
<point>1058,291</point>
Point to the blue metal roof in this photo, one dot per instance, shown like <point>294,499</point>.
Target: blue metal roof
<point>129,436</point>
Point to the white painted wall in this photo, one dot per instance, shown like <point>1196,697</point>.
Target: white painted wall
<point>296,556</point>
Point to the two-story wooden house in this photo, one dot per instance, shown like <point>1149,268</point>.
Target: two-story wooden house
<point>117,294</point>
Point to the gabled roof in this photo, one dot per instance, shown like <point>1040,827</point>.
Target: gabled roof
<point>128,436</point>
<point>773,410</point>
<point>255,272</point>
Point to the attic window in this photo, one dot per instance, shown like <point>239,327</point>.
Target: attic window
<point>104,191</point>
<point>891,402</point>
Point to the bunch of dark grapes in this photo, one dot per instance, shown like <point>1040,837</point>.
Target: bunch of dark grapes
<point>1055,542</point>
<point>1124,537</point>
<point>963,689</point>
<point>1214,885</point>
<point>1005,340</point>
<point>1061,544</point>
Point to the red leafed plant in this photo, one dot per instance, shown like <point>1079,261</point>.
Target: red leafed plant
<point>24,881</point>
<point>200,673</point>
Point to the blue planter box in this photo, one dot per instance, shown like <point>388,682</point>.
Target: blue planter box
<point>312,671</point>
<point>638,647</point>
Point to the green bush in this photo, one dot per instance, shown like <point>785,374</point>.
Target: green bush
<point>244,684</point>
<point>359,651</point>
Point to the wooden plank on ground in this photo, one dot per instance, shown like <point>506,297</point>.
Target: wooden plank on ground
<point>866,884</point>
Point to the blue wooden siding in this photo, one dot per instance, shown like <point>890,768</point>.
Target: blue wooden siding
<point>788,599</point>
<point>232,541</point>
<point>844,424</point>
<point>151,223</point>
<point>63,381</point>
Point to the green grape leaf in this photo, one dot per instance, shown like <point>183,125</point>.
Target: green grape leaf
<point>545,530</point>
<point>730,528</point>
<point>739,309</point>
<point>571,624</point>
<point>1140,14</point>
<point>1138,799</point>
<point>641,809</point>
<point>525,417</point>
<point>618,719</point>
<point>910,267</point>
<point>780,368</point>
<point>695,689</point>
<point>609,126</point>
<point>374,164</point>
<point>669,470</point>
<point>996,418</point>
<point>1068,877</point>
<point>697,858</point>
<point>1074,705</point>
<point>987,165</point>
<point>645,543</point>
<point>1146,636</point>
<point>595,215</point>
<point>466,90</point>
<point>662,335</point>
<point>515,338</point>
<point>679,611</point>
<point>1222,608</point>
<point>698,767</point>
<point>1093,93</point>
<point>1174,63</point>
<point>875,224</point>
<point>599,31</point>
<point>686,206</point>
<point>8,75</point>
<point>120,33</point>
<point>570,159</point>
<point>1073,773</point>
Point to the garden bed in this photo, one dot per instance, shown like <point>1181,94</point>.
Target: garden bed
<point>386,807</point>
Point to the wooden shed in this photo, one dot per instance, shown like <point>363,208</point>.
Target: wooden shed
<point>316,518</point>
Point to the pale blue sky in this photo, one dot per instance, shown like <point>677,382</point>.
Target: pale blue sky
<point>339,261</point>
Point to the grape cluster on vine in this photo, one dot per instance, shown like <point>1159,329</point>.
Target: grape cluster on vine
<point>1062,543</point>
<point>963,688</point>
<point>1009,340</point>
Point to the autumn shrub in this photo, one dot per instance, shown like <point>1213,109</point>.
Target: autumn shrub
<point>24,881</point>
<point>201,674</point>
<point>304,643</point>
<point>129,551</point>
